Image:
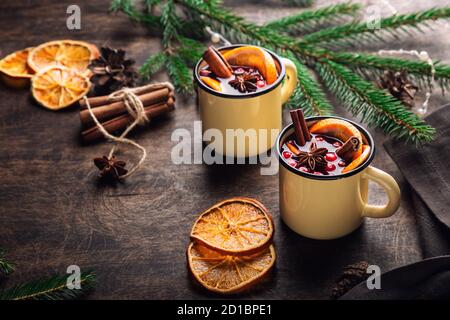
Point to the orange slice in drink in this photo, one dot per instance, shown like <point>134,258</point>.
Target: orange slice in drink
<point>338,128</point>
<point>68,53</point>
<point>234,226</point>
<point>212,83</point>
<point>227,274</point>
<point>359,160</point>
<point>58,87</point>
<point>255,57</point>
<point>14,69</point>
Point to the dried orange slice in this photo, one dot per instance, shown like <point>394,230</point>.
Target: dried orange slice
<point>14,69</point>
<point>58,87</point>
<point>234,226</point>
<point>338,128</point>
<point>212,83</point>
<point>359,160</point>
<point>68,53</point>
<point>224,273</point>
<point>255,57</point>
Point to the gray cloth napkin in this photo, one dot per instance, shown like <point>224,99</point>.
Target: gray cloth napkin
<point>427,170</point>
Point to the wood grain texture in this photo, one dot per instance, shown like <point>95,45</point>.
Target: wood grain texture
<point>54,213</point>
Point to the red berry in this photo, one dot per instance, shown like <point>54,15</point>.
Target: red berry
<point>205,73</point>
<point>260,83</point>
<point>330,167</point>
<point>304,169</point>
<point>318,173</point>
<point>287,154</point>
<point>341,163</point>
<point>292,163</point>
<point>337,144</point>
<point>330,156</point>
<point>319,138</point>
<point>239,71</point>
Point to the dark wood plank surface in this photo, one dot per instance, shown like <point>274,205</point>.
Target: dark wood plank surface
<point>53,213</point>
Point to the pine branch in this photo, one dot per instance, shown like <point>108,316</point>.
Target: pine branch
<point>170,23</point>
<point>6,267</point>
<point>308,95</point>
<point>190,50</point>
<point>357,31</point>
<point>179,73</point>
<point>152,65</point>
<point>374,106</point>
<point>54,288</point>
<point>418,69</point>
<point>309,19</point>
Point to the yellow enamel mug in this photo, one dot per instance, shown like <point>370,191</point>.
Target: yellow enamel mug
<point>329,207</point>
<point>234,114</point>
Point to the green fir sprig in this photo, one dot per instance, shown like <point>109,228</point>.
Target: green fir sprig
<point>53,288</point>
<point>373,105</point>
<point>308,95</point>
<point>6,267</point>
<point>375,30</point>
<point>308,20</point>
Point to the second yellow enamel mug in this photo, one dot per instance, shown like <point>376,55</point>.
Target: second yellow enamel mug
<point>248,123</point>
<point>329,207</point>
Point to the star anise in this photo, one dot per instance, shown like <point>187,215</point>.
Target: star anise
<point>399,85</point>
<point>110,168</point>
<point>112,71</point>
<point>245,82</point>
<point>314,159</point>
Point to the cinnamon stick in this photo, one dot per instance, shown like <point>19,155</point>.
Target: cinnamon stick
<point>304,126</point>
<point>349,149</point>
<point>121,122</point>
<point>297,128</point>
<point>102,100</point>
<point>217,63</point>
<point>117,108</point>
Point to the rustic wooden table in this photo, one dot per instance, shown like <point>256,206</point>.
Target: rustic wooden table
<point>53,213</point>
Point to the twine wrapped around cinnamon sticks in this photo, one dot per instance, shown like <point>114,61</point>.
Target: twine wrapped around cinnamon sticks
<point>124,109</point>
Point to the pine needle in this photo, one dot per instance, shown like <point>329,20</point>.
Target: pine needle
<point>152,65</point>
<point>374,65</point>
<point>308,95</point>
<point>54,288</point>
<point>369,31</point>
<point>179,73</point>
<point>309,19</point>
<point>374,106</point>
<point>6,267</point>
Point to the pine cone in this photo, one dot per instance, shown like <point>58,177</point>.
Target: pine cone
<point>352,275</point>
<point>399,86</point>
<point>112,71</point>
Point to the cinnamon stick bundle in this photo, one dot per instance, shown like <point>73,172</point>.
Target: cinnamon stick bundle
<point>94,134</point>
<point>114,116</point>
<point>110,110</point>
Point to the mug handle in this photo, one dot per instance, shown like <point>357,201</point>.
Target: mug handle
<point>290,82</point>
<point>392,190</point>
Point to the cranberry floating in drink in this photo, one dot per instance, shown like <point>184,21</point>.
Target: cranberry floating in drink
<point>238,71</point>
<point>327,147</point>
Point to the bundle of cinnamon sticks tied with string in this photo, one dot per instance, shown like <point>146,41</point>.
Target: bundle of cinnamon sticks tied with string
<point>114,116</point>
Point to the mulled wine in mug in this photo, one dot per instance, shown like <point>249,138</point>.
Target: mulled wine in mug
<point>241,90</point>
<point>324,175</point>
